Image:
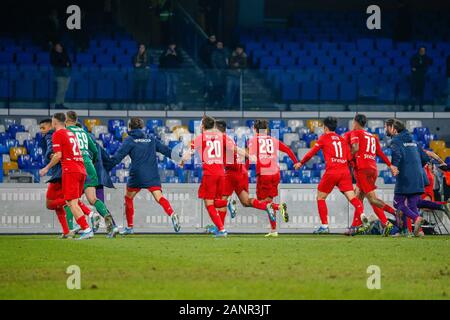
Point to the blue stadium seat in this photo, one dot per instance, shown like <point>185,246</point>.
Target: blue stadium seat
<point>113,123</point>
<point>277,124</point>
<point>366,87</point>
<point>387,92</point>
<point>290,91</point>
<point>309,91</point>
<point>348,92</point>
<point>328,91</point>
<point>105,89</point>
<point>267,61</point>
<point>154,123</point>
<point>6,58</point>
<point>24,58</point>
<point>85,59</point>
<point>82,90</point>
<point>24,89</point>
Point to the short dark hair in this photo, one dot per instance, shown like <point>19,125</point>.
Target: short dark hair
<point>208,122</point>
<point>47,120</point>
<point>361,119</point>
<point>261,124</point>
<point>136,123</point>
<point>79,125</point>
<point>72,116</point>
<point>221,125</point>
<point>330,123</point>
<point>398,125</point>
<point>60,116</point>
<point>389,122</point>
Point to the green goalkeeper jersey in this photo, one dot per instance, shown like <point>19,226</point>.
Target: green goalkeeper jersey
<point>87,145</point>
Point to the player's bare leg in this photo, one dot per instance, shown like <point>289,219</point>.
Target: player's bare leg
<point>165,204</point>
<point>111,228</point>
<point>323,213</point>
<point>129,212</point>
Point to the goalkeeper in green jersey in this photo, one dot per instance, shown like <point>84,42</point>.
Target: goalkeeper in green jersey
<point>89,150</point>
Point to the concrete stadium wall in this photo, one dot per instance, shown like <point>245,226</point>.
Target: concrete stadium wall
<point>22,210</point>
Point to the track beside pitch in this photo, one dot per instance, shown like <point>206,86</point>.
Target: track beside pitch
<point>240,267</point>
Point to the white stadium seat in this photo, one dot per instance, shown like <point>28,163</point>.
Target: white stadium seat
<point>2,128</point>
<point>288,138</point>
<point>97,130</point>
<point>22,136</point>
<point>294,124</point>
<point>301,152</point>
<point>171,123</point>
<point>318,131</point>
<point>243,132</point>
<point>122,174</point>
<point>127,161</point>
<point>33,130</point>
<point>380,181</point>
<point>6,158</point>
<point>411,124</point>
<point>28,122</point>
<point>372,124</point>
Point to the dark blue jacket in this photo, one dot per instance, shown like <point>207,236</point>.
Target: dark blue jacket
<point>141,148</point>
<point>409,158</point>
<point>55,172</point>
<point>103,176</point>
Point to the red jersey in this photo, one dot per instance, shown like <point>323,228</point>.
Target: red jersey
<point>335,151</point>
<point>65,141</point>
<point>265,148</point>
<point>214,147</point>
<point>369,149</point>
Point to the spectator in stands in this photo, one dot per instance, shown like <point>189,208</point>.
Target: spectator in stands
<point>219,63</point>
<point>448,84</point>
<point>419,66</point>
<point>237,63</point>
<point>141,73</point>
<point>205,56</point>
<point>61,64</point>
<point>170,61</point>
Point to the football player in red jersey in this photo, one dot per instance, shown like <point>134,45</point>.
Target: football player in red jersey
<point>236,180</point>
<point>365,147</point>
<point>337,155</point>
<point>212,146</point>
<point>66,151</point>
<point>263,149</point>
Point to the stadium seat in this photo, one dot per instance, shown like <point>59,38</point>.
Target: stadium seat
<point>444,153</point>
<point>15,152</point>
<point>373,124</point>
<point>328,92</point>
<point>294,124</point>
<point>309,91</point>
<point>194,126</point>
<point>90,123</point>
<point>437,145</point>
<point>28,122</point>
<point>171,123</point>
<point>22,136</point>
<point>113,123</point>
<point>9,166</point>
<point>412,124</point>
<point>288,138</point>
<point>2,128</point>
<point>311,124</point>
<point>97,130</point>
<point>290,91</point>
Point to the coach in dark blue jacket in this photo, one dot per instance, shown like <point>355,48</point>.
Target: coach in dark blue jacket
<point>46,145</point>
<point>409,158</point>
<point>142,149</point>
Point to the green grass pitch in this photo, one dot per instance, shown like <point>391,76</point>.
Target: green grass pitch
<point>240,267</point>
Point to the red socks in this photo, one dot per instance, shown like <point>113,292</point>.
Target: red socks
<point>380,214</point>
<point>82,222</point>
<point>86,210</point>
<point>222,215</point>
<point>165,204</point>
<point>389,209</point>
<point>323,211</point>
<point>219,203</point>
<point>61,214</point>
<point>129,211</point>
<point>215,217</point>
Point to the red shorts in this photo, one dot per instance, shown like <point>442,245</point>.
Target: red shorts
<point>73,185</point>
<point>235,181</point>
<point>267,186</point>
<point>54,191</point>
<point>151,189</point>
<point>366,179</point>
<point>211,187</point>
<point>330,180</point>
